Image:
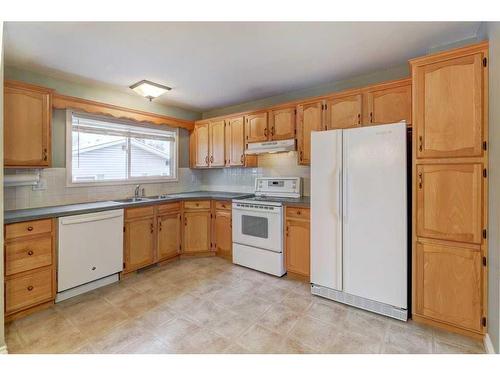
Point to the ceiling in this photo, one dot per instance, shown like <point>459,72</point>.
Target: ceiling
<point>215,64</point>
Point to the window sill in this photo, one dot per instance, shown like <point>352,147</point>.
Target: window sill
<point>115,183</point>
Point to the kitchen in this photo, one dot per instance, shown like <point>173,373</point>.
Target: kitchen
<point>348,218</point>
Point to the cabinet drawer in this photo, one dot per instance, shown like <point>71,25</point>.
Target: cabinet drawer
<point>132,213</point>
<point>28,290</point>
<point>197,205</point>
<point>28,228</point>
<point>169,207</point>
<point>223,205</point>
<point>25,255</point>
<point>298,212</point>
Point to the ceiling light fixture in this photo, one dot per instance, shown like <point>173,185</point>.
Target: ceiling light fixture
<point>149,90</point>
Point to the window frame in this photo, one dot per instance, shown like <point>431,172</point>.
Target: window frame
<point>130,180</point>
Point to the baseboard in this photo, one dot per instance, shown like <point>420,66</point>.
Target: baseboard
<point>488,345</point>
<point>3,349</point>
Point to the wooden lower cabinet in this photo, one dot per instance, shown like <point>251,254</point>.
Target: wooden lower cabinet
<point>168,235</point>
<point>222,231</point>
<point>196,237</point>
<point>29,289</point>
<point>139,243</point>
<point>449,283</point>
<point>297,242</point>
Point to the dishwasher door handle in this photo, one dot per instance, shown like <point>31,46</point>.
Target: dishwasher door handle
<point>86,218</point>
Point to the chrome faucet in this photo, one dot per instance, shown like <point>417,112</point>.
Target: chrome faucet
<point>136,191</point>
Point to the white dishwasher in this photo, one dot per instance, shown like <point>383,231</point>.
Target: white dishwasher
<point>90,252</point>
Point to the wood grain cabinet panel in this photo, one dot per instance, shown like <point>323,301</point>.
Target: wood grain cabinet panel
<point>235,141</point>
<point>282,123</point>
<point>389,105</point>
<point>449,202</point>
<point>256,129</point>
<point>139,243</point>
<point>168,235</point>
<point>449,285</point>
<point>201,141</point>
<point>216,144</point>
<point>24,255</point>
<point>449,107</point>
<point>27,121</point>
<point>222,240</point>
<point>310,118</point>
<point>196,237</point>
<point>28,228</point>
<point>344,112</point>
<point>298,247</point>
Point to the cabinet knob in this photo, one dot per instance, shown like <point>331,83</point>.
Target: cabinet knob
<point>30,229</point>
<point>298,212</point>
<point>30,252</point>
<point>44,154</point>
<point>152,227</point>
<point>242,158</point>
<point>30,288</point>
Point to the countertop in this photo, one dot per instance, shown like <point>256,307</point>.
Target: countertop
<point>16,216</point>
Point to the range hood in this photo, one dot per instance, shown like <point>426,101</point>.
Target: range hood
<point>270,147</point>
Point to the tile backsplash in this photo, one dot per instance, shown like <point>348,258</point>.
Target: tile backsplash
<point>224,179</point>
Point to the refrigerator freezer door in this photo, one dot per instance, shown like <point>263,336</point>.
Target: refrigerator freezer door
<point>326,209</point>
<point>374,216</point>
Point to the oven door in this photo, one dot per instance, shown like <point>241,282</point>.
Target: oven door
<point>258,227</point>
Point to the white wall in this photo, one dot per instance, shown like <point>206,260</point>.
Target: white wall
<point>493,34</point>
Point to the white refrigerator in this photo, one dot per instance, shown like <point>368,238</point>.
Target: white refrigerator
<point>359,217</point>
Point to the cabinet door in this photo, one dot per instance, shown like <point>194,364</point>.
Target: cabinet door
<point>256,127</point>
<point>235,141</point>
<point>27,117</point>
<point>216,136</point>
<point>449,107</point>
<point>449,201</point>
<point>310,119</point>
<point>390,105</point>
<point>222,233</point>
<point>344,113</point>
<point>448,281</point>
<point>282,123</point>
<point>169,235</point>
<point>196,232</point>
<point>201,144</point>
<point>297,246</point>
<point>139,243</point>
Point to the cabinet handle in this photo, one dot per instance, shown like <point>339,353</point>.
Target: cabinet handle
<point>185,221</point>
<point>371,117</point>
<point>298,212</point>
<point>30,288</point>
<point>44,154</point>
<point>152,227</point>
<point>359,118</point>
<point>242,158</point>
<point>265,132</point>
<point>301,154</point>
<point>30,229</point>
<point>159,224</point>
<point>211,159</point>
<point>420,143</point>
<point>30,252</point>
<point>206,160</point>
<point>420,178</point>
<point>272,131</point>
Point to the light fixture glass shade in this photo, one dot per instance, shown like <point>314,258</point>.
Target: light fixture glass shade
<point>149,90</point>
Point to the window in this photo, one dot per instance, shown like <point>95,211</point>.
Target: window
<point>103,150</point>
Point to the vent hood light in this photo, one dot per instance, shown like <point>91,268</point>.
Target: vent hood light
<point>149,90</point>
<point>272,147</point>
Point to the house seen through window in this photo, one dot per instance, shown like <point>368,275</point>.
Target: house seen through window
<point>105,150</point>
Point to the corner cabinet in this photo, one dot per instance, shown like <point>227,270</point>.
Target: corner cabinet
<point>222,229</point>
<point>196,227</point>
<point>27,125</point>
<point>450,189</point>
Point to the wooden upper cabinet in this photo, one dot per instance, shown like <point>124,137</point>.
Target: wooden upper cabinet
<point>449,202</point>
<point>169,235</point>
<point>449,286</point>
<point>216,143</point>
<point>139,243</point>
<point>449,107</point>
<point>310,118</point>
<point>201,141</point>
<point>235,141</point>
<point>27,123</point>
<point>388,105</point>
<point>344,112</point>
<point>282,123</point>
<point>196,231</point>
<point>256,129</point>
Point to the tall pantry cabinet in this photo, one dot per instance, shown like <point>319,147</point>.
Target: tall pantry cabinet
<point>450,180</point>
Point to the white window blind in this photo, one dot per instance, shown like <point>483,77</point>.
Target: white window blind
<point>107,150</point>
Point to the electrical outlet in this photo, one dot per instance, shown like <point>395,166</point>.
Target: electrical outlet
<point>41,185</point>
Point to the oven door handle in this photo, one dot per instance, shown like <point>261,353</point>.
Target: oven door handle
<point>270,212</point>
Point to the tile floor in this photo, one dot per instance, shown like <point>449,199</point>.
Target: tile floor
<point>208,305</point>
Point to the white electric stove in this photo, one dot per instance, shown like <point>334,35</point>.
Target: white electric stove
<point>258,224</point>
